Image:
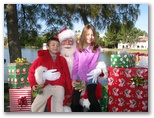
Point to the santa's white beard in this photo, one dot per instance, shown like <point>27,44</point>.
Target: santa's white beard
<point>68,54</point>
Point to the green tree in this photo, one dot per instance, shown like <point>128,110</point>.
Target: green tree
<point>100,42</point>
<point>79,31</point>
<point>119,32</point>
<point>111,37</point>
<point>102,15</point>
<point>54,17</point>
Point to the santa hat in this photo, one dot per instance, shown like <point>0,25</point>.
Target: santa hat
<point>66,33</point>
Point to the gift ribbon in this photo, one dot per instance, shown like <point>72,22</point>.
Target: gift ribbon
<point>39,89</point>
<point>21,60</point>
<point>137,81</point>
<point>78,85</point>
<point>22,101</point>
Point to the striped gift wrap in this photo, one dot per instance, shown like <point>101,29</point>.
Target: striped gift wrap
<point>20,99</point>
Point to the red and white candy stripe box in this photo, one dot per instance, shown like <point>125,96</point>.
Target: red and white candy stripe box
<point>20,99</point>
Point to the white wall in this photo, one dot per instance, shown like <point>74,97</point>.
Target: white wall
<point>138,45</point>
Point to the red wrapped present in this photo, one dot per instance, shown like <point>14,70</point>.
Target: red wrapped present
<point>143,54</point>
<point>20,99</point>
<point>128,89</point>
<point>139,54</point>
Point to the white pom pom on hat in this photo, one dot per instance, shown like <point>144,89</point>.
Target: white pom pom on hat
<point>66,33</point>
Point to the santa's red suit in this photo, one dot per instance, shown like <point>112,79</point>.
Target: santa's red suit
<point>67,51</point>
<point>45,62</point>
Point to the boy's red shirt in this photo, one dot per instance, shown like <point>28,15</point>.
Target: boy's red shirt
<point>44,59</point>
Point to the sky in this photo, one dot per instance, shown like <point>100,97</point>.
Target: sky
<point>141,23</point>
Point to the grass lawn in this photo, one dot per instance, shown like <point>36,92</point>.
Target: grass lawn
<point>6,92</point>
<point>129,50</point>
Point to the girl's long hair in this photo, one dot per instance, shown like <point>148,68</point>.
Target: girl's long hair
<point>82,44</point>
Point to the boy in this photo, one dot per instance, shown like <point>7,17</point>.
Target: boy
<point>50,59</point>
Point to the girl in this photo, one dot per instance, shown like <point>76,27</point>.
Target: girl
<point>85,60</point>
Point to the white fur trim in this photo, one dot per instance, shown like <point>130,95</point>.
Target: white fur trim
<point>66,34</point>
<point>85,103</point>
<point>39,73</point>
<point>103,67</point>
<point>67,109</point>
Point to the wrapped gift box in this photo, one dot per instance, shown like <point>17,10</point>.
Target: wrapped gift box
<point>128,89</point>
<point>104,99</point>
<point>143,61</point>
<point>139,54</point>
<point>20,99</point>
<point>127,60</point>
<point>143,54</point>
<point>18,75</point>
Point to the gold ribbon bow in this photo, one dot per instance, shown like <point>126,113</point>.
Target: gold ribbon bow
<point>137,81</point>
<point>21,60</point>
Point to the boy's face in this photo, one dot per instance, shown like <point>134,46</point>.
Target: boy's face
<point>54,47</point>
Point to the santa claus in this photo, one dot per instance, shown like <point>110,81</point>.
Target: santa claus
<point>68,42</point>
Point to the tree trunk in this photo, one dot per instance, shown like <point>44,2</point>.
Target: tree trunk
<point>12,30</point>
<point>84,18</point>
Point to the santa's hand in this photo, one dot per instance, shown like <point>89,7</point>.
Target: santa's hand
<point>94,75</point>
<point>51,75</point>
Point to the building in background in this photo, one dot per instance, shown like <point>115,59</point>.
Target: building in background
<point>141,43</point>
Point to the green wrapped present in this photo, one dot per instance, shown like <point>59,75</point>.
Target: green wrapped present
<point>18,75</point>
<point>127,60</point>
<point>104,99</point>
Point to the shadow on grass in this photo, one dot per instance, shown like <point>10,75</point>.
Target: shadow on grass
<point>6,92</point>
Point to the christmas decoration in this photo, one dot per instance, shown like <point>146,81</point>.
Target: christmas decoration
<point>127,60</point>
<point>78,85</point>
<point>22,101</point>
<point>127,89</point>
<point>18,75</point>
<point>137,81</point>
<point>21,60</point>
<point>39,89</point>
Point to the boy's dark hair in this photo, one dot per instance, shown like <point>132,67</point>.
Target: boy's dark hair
<point>52,39</point>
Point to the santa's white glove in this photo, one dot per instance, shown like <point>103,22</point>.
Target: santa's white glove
<point>94,74</point>
<point>51,75</point>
